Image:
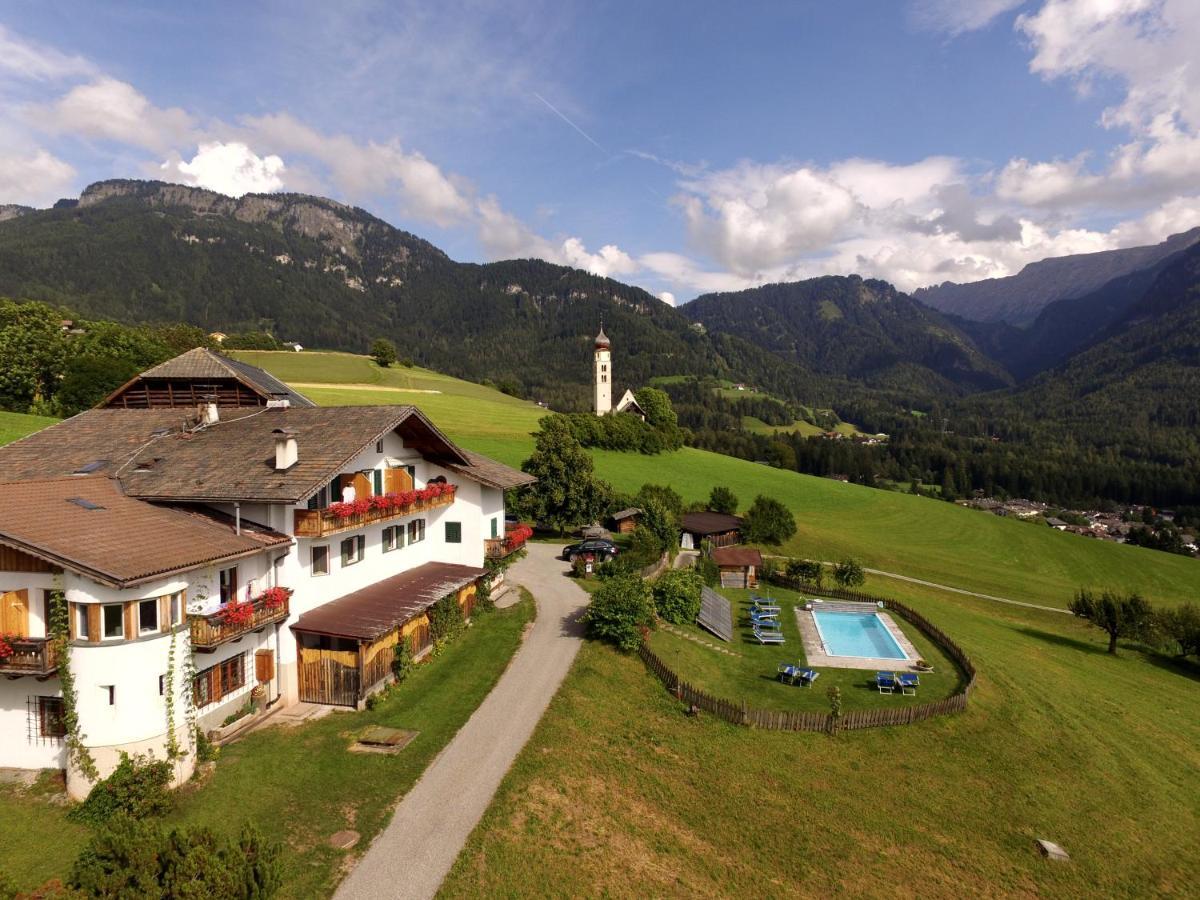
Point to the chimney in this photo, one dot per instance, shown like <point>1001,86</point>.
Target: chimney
<point>208,413</point>
<point>287,453</point>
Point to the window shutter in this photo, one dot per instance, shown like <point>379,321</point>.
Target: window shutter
<point>93,614</point>
<point>264,665</point>
<point>130,630</point>
<point>164,613</point>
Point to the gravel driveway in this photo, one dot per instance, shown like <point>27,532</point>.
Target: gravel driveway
<point>433,821</point>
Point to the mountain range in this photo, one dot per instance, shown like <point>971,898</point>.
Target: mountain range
<point>1105,336</point>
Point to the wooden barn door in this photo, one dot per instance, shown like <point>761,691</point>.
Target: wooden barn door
<point>329,677</point>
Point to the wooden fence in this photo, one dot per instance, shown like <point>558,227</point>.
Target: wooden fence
<point>741,713</point>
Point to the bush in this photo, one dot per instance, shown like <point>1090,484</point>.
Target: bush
<point>446,619</point>
<point>723,500</point>
<point>620,611</point>
<point>483,596</point>
<point>768,522</point>
<point>645,548</point>
<point>131,858</point>
<point>849,573</point>
<point>677,596</point>
<point>403,661</point>
<point>809,571</point>
<point>709,571</point>
<point>1180,627</point>
<point>138,787</point>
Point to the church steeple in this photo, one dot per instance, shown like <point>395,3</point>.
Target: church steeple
<point>602,373</point>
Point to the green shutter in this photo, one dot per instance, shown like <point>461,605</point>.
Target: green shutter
<point>377,476</point>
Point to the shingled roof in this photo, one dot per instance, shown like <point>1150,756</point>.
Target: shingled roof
<point>491,473</point>
<point>161,454</point>
<point>204,365</point>
<point>87,525</point>
<point>709,522</point>
<point>373,611</point>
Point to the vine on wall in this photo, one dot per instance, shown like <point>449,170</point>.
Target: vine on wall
<point>60,631</point>
<point>173,750</point>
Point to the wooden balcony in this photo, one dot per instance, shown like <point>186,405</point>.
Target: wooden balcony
<point>30,656</point>
<point>210,631</point>
<point>500,548</point>
<point>315,523</point>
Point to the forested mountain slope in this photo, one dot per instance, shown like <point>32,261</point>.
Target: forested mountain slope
<point>1017,299</point>
<point>329,275</point>
<point>853,328</point>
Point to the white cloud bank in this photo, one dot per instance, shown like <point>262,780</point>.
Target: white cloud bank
<point>232,169</point>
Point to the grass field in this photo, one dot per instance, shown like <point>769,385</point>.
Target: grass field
<point>17,425</point>
<point>750,676</point>
<point>894,532</point>
<point>1060,741</point>
<point>299,785</point>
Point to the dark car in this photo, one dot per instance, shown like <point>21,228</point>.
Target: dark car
<point>598,548</point>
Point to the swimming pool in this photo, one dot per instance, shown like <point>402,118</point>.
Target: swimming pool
<point>856,634</point>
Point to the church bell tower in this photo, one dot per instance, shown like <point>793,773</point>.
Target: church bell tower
<point>602,374</point>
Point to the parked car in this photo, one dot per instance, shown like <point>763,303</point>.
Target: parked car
<point>602,550</point>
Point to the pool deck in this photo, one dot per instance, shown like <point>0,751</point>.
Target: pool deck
<point>815,655</point>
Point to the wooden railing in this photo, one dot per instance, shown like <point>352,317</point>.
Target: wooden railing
<point>210,631</point>
<point>498,548</point>
<point>741,713</point>
<point>315,523</point>
<point>30,656</point>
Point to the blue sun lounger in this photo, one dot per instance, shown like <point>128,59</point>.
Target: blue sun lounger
<point>797,674</point>
<point>768,637</point>
<point>886,682</point>
<point>908,682</point>
<point>771,619</point>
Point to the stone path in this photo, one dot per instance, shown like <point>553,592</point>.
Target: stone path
<point>433,821</point>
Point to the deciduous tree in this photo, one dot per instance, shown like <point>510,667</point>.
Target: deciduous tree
<point>768,522</point>
<point>1120,615</point>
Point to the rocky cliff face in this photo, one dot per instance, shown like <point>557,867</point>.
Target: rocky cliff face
<point>1018,299</point>
<point>12,210</point>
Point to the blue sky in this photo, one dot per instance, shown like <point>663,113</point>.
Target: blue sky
<point>684,147</point>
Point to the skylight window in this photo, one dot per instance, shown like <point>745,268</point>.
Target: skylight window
<point>84,502</point>
<point>89,467</point>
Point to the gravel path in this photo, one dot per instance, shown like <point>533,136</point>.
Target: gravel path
<point>433,821</point>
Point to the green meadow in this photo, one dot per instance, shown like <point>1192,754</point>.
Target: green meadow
<point>619,793</point>
<point>894,532</point>
<point>17,425</point>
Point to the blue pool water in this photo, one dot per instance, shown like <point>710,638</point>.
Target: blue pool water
<point>856,634</point>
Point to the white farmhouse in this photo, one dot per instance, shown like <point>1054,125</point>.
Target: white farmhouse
<point>215,538</point>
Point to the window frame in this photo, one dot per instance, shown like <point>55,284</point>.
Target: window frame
<point>104,608</point>
<point>456,529</point>
<point>175,608</point>
<point>416,531</point>
<point>218,681</point>
<point>394,537</point>
<point>358,544</point>
<point>228,585</point>
<point>141,607</point>
<point>312,560</point>
<point>82,623</point>
<point>51,711</point>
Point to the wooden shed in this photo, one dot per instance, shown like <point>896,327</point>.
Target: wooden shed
<point>739,566</point>
<point>720,529</point>
<point>626,520</point>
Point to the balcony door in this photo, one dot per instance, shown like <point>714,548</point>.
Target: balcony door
<point>14,613</point>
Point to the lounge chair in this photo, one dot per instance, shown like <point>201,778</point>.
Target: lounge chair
<point>808,676</point>
<point>768,637</point>
<point>764,618</point>
<point>908,682</point>
<point>787,673</point>
<point>886,682</point>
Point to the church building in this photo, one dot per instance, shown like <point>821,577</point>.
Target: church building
<point>602,382</point>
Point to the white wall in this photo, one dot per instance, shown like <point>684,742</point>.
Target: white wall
<point>20,745</point>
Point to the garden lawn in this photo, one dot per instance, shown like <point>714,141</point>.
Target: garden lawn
<point>751,676</point>
<point>300,785</point>
<point>915,536</point>
<point>619,793</point>
<point>16,425</point>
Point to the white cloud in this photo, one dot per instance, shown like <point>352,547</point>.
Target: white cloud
<point>114,110</point>
<point>27,60</point>
<point>959,16</point>
<point>232,169</point>
<point>667,297</point>
<point>34,180</point>
<point>609,261</point>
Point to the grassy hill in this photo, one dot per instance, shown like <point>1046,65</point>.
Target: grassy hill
<point>16,425</point>
<point>914,536</point>
<point>1060,741</point>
